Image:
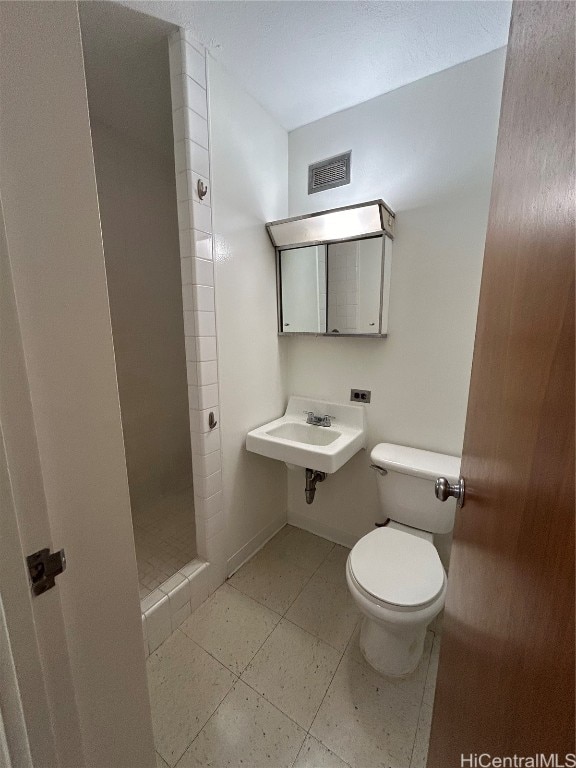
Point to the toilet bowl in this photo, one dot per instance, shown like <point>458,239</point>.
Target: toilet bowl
<point>394,573</point>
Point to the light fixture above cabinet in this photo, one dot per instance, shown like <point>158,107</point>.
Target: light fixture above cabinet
<point>332,226</point>
<point>333,271</point>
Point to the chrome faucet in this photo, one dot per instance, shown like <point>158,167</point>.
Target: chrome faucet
<point>318,421</point>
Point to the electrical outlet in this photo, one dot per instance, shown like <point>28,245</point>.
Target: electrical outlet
<point>360,395</point>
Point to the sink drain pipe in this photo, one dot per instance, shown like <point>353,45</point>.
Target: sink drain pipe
<point>313,476</point>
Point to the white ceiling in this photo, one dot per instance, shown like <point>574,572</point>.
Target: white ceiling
<point>305,59</point>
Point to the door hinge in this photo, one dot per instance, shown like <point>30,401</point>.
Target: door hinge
<point>43,568</point>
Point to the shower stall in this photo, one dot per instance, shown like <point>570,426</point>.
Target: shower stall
<point>128,87</point>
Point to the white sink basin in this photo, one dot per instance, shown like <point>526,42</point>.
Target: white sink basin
<point>326,449</point>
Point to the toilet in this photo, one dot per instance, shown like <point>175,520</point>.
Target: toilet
<point>394,573</point>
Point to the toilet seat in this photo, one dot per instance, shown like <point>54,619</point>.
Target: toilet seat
<point>397,568</point>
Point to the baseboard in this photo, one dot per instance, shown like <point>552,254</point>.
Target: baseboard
<point>256,543</point>
<point>321,529</point>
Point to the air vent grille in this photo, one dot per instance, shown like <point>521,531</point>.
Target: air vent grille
<point>333,172</point>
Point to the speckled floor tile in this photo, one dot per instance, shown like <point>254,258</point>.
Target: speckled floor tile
<point>366,720</point>
<point>315,755</point>
<point>327,610</point>
<point>333,569</point>
<point>231,626</point>
<point>412,685</point>
<point>293,670</point>
<point>273,583</point>
<point>420,753</point>
<point>304,550</point>
<point>186,685</point>
<point>245,731</point>
<point>430,687</point>
<point>160,763</point>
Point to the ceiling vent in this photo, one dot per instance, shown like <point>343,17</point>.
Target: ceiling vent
<point>330,173</point>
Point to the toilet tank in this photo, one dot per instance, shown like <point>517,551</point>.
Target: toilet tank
<point>406,491</point>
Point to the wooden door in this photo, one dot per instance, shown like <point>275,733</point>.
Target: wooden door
<point>506,676</point>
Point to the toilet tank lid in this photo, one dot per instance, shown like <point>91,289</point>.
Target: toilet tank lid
<point>413,461</point>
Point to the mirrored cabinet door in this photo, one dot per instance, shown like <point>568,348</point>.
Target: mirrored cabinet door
<point>335,288</point>
<point>354,286</point>
<point>303,289</point>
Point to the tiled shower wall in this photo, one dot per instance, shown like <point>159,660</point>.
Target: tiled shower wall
<point>166,607</point>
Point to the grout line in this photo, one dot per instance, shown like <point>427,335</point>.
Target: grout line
<point>219,704</point>
<point>310,577</point>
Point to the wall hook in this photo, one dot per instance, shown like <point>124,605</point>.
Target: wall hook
<point>212,420</point>
<point>202,189</point>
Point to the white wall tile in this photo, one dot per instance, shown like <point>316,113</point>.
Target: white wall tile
<point>205,442</point>
<point>208,396</point>
<point>202,272</point>
<point>192,373</point>
<point>178,590</point>
<point>194,95</point>
<point>184,220</point>
<point>150,600</point>
<point>179,124</point>
<point>207,372</point>
<point>202,217</point>
<point>202,245</point>
<point>216,547</point>
<point>213,504</point>
<point>206,200</point>
<point>199,421</point>
<point>175,56</point>
<point>208,464</point>
<point>179,616</point>
<point>145,636</point>
<point>190,344</point>
<point>197,158</point>
<point>177,85</point>
<point>182,186</point>
<point>158,622</point>
<point>191,569</point>
<point>204,487</point>
<point>195,127</point>
<point>204,302</point>
<point>192,161</point>
<point>193,398</point>
<point>186,249</point>
<point>210,526</point>
<point>205,323</point>
<point>189,323</point>
<point>188,298</point>
<point>200,585</point>
<point>194,64</point>
<point>205,348</point>
<point>189,38</point>
<point>180,159</point>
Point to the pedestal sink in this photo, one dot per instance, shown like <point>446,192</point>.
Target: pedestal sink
<point>322,448</point>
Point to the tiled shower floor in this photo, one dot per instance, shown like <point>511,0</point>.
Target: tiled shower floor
<point>267,673</point>
<point>165,538</point>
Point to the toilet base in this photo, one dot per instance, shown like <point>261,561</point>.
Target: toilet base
<point>393,654</point>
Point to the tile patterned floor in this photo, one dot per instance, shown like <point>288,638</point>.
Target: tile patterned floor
<point>165,538</point>
<point>267,673</point>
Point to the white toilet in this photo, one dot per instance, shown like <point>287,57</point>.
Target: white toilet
<point>394,573</point>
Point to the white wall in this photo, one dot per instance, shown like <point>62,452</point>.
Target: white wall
<point>428,150</point>
<point>249,156</point>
